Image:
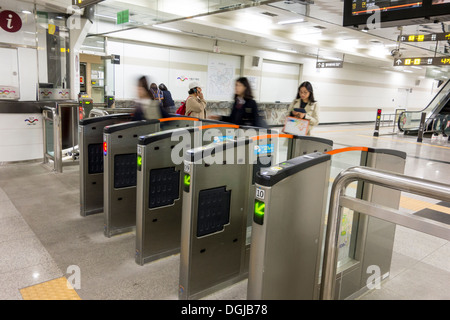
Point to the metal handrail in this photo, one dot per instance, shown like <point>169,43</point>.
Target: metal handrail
<point>382,178</point>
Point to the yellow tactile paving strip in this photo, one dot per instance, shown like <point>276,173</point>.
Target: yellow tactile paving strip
<point>57,289</point>
<point>417,205</point>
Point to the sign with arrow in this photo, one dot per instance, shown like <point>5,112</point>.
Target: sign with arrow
<point>424,37</point>
<point>421,61</point>
<point>329,64</point>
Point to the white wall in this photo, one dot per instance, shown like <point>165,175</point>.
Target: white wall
<point>176,68</point>
<point>352,93</point>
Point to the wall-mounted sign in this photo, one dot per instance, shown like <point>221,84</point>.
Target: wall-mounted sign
<point>10,21</point>
<point>429,61</point>
<point>330,64</point>
<point>123,17</point>
<point>115,59</point>
<point>424,37</point>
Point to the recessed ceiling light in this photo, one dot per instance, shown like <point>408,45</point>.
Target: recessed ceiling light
<point>287,50</point>
<point>166,28</point>
<point>291,21</point>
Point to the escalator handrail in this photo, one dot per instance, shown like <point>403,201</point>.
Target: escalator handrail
<point>437,108</point>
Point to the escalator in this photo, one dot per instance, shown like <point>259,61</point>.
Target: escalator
<point>437,118</point>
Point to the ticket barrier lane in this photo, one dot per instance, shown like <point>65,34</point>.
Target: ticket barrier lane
<point>160,181</point>
<point>193,282</point>
<point>365,240</point>
<point>90,137</point>
<point>92,156</point>
<point>214,222</point>
<point>120,161</point>
<point>291,195</point>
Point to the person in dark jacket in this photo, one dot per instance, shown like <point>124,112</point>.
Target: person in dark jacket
<point>245,108</point>
<point>168,103</point>
<point>146,106</point>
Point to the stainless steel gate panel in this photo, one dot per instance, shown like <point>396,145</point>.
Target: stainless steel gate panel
<point>90,138</point>
<point>159,205</point>
<point>289,211</point>
<point>121,164</point>
<point>120,167</point>
<point>214,220</point>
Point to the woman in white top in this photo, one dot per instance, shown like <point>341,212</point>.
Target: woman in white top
<point>305,100</point>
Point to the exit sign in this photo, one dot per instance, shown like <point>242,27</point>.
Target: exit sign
<point>123,16</point>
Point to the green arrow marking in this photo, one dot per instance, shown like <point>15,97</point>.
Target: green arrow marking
<point>187,180</point>
<point>139,160</point>
<point>259,212</point>
<point>259,208</point>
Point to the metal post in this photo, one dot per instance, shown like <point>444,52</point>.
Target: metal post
<point>421,127</point>
<point>382,178</point>
<point>377,124</point>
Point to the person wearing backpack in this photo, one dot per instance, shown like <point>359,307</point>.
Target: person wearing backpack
<point>195,103</point>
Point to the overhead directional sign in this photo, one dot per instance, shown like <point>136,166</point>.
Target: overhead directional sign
<point>424,37</point>
<point>330,64</point>
<point>428,61</point>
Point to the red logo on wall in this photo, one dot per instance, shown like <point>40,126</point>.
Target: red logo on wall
<point>10,21</point>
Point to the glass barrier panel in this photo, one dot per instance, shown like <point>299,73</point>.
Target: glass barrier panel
<point>339,162</point>
<point>414,266</point>
<point>49,137</point>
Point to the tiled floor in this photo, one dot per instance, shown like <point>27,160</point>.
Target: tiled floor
<point>42,235</point>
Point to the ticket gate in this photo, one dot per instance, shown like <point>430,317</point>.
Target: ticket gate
<point>289,226</point>
<point>216,224</point>
<point>289,196</point>
<point>90,137</point>
<point>160,179</point>
<point>120,168</point>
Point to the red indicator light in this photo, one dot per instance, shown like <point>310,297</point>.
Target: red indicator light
<point>105,148</point>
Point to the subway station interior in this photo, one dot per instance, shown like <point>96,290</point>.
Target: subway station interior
<point>350,202</point>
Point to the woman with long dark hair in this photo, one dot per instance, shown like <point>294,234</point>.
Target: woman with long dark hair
<point>146,106</point>
<point>305,106</point>
<point>245,108</point>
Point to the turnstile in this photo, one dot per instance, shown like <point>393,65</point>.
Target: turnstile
<point>284,208</point>
<point>292,195</point>
<point>210,261</point>
<point>160,180</point>
<point>90,138</point>
<point>214,221</point>
<point>120,168</point>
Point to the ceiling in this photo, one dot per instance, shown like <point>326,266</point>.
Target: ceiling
<point>257,24</point>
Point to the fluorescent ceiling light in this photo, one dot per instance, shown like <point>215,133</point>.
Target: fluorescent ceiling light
<point>291,21</point>
<point>407,71</point>
<point>103,16</point>
<point>26,12</point>
<point>416,67</point>
<point>165,28</point>
<point>287,50</point>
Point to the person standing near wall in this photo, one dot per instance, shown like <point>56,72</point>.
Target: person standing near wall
<point>146,107</point>
<point>168,103</point>
<point>196,103</point>
<point>305,100</point>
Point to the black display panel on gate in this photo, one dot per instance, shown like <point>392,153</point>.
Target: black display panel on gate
<point>95,158</point>
<point>125,167</point>
<point>164,187</point>
<point>213,210</point>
